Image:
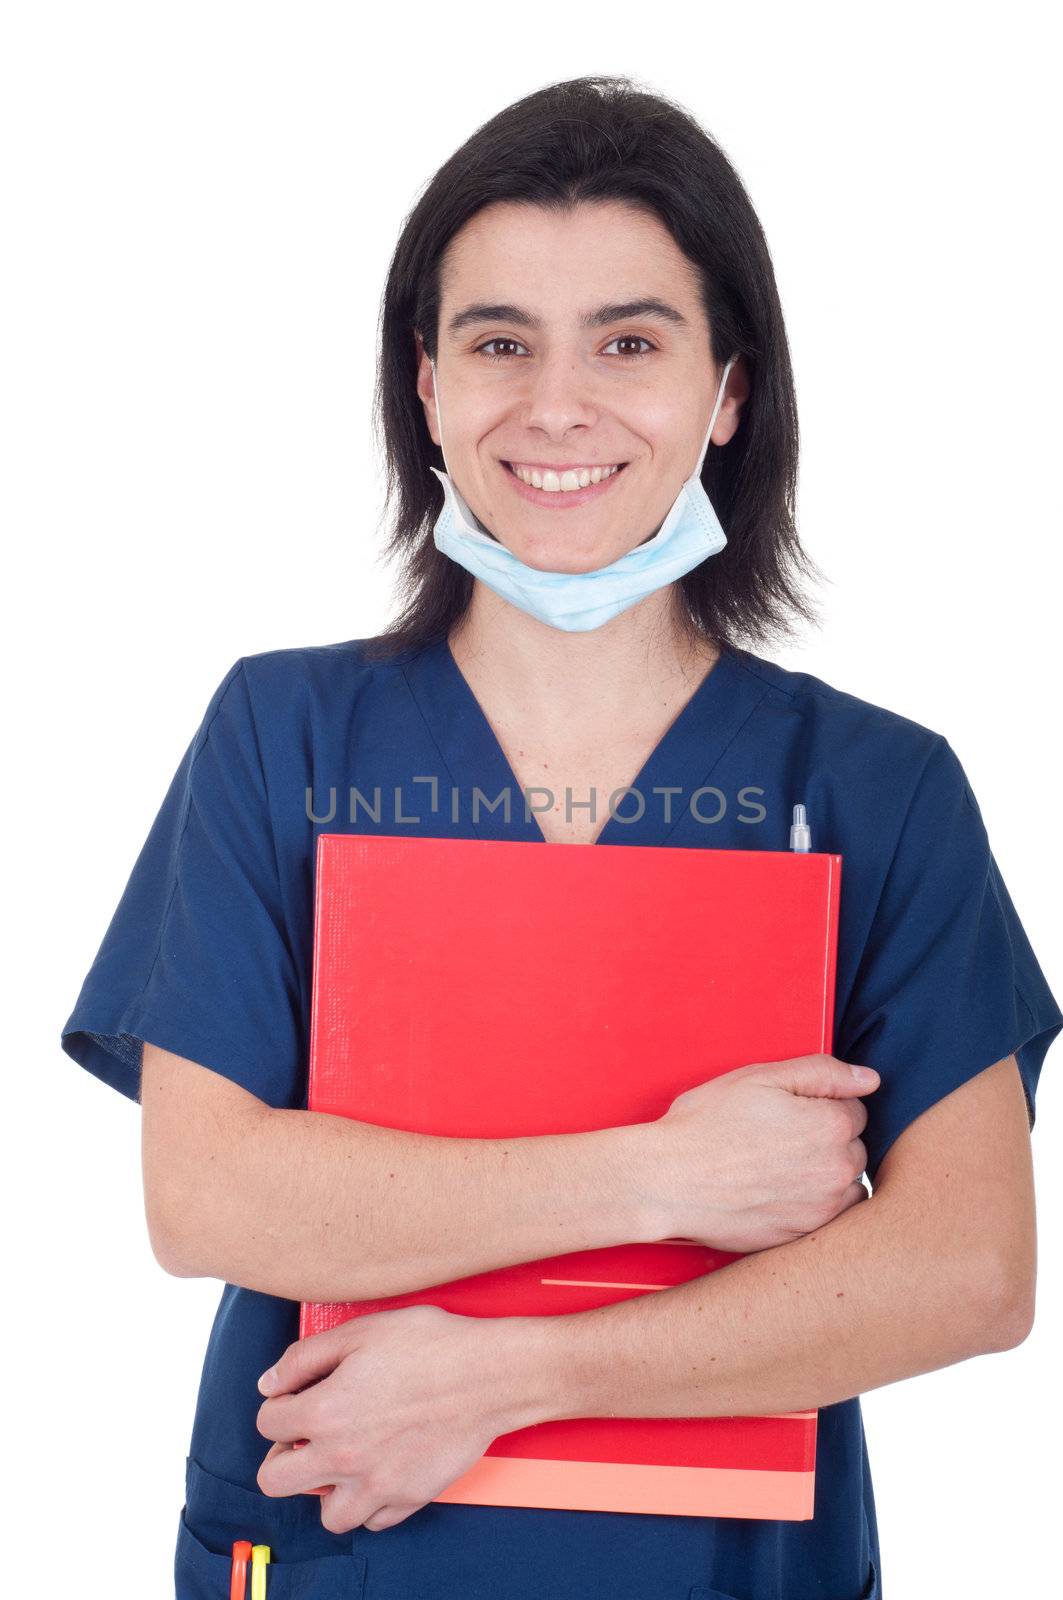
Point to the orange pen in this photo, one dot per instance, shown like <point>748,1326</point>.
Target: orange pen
<point>238,1578</point>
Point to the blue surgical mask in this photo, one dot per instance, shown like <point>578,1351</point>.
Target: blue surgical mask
<point>579,601</point>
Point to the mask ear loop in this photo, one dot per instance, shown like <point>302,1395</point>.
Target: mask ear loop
<point>715,413</point>
<point>439,414</point>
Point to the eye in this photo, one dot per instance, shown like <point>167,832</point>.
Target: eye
<point>622,355</point>
<point>494,355</point>
<point>632,355</point>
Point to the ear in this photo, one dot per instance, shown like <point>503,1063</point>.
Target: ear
<point>738,386</point>
<point>426,388</point>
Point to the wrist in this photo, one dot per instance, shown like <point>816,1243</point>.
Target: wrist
<point>537,1377</point>
<point>639,1159</point>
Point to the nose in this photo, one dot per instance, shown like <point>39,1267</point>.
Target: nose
<point>561,394</point>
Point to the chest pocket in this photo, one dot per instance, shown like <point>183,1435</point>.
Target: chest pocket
<point>872,1589</point>
<point>216,1513</point>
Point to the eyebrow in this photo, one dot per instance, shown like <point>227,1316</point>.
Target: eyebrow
<point>622,311</point>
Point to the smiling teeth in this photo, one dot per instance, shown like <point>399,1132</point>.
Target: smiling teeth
<point>574,478</point>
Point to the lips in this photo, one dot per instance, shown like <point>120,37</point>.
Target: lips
<point>566,499</point>
<point>539,467</point>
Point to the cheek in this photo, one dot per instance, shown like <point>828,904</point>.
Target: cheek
<point>666,422</point>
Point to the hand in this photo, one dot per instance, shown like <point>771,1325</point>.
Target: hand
<point>395,1406</point>
<point>764,1154</point>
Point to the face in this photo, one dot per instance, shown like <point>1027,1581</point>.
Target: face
<point>524,382</point>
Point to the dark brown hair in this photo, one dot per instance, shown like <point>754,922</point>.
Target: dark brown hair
<point>584,140</point>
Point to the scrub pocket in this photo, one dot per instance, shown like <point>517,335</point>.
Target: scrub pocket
<point>305,1559</point>
<point>872,1589</point>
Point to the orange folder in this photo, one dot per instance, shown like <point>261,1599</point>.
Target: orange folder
<point>495,989</point>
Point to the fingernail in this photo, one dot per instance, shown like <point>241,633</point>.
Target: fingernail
<point>268,1381</point>
<point>863,1074</point>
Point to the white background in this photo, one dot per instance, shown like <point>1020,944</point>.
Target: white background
<point>200,203</point>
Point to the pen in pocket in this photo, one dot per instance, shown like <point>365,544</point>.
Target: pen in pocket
<point>259,1563</point>
<point>238,1576</point>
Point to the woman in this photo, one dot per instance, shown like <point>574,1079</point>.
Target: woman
<point>585,291</point>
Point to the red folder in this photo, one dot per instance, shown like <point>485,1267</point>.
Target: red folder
<point>495,988</point>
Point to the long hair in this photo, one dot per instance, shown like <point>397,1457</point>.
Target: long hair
<point>584,140</point>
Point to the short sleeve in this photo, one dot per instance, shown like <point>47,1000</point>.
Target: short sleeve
<point>196,959</point>
<point>948,983</point>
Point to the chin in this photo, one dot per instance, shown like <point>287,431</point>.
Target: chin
<point>555,555</point>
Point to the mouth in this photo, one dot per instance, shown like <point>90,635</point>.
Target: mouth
<point>559,499</point>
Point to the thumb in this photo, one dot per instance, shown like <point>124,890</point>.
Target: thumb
<point>306,1361</point>
<point>820,1075</point>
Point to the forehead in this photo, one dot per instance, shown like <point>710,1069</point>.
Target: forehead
<point>563,264</point>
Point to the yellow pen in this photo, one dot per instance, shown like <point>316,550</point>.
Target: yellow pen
<point>259,1563</point>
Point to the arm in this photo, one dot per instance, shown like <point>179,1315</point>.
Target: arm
<point>314,1207</point>
<point>937,1266</point>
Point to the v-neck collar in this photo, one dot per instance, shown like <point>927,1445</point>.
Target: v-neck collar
<point>683,759</point>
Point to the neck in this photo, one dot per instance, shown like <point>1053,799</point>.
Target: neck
<point>620,672</point>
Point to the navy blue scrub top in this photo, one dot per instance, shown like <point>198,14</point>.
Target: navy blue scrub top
<point>208,955</point>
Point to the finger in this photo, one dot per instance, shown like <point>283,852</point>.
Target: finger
<point>286,1471</point>
<point>390,1516</point>
<point>321,1488</point>
<point>307,1360</point>
<point>342,1509</point>
<point>857,1110</point>
<point>853,1196</point>
<point>278,1449</point>
<point>386,1517</point>
<point>287,1418</point>
<point>820,1075</point>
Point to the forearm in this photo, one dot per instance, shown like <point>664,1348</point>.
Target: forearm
<point>309,1206</point>
<point>857,1304</point>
